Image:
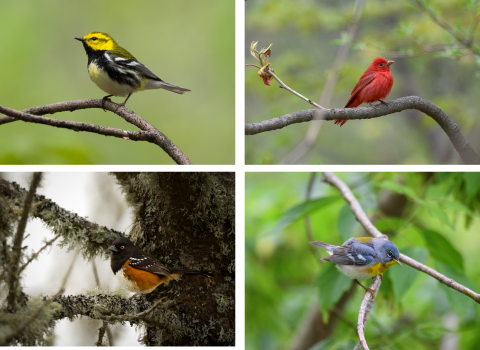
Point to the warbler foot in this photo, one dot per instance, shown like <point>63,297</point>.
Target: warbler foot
<point>106,98</point>
<point>366,289</point>
<point>123,103</point>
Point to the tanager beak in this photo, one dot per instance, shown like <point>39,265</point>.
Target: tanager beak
<point>389,63</point>
<point>395,260</point>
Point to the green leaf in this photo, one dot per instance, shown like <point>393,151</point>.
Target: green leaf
<point>401,189</point>
<point>390,224</point>
<point>438,212</point>
<point>346,222</point>
<point>331,284</point>
<point>333,343</point>
<point>429,331</point>
<point>442,250</point>
<point>303,209</point>
<point>472,182</point>
<point>403,277</point>
<point>459,302</point>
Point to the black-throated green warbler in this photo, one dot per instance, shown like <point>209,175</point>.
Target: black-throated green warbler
<point>116,71</point>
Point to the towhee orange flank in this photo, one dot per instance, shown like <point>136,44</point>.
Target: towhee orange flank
<point>138,271</point>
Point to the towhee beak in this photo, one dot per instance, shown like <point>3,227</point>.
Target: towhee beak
<point>398,262</point>
<point>389,63</point>
<point>114,249</point>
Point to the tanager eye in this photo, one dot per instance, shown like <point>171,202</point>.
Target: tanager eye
<point>381,64</point>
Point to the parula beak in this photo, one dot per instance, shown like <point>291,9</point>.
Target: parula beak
<point>80,39</point>
<point>398,262</point>
<point>112,248</point>
<point>389,63</point>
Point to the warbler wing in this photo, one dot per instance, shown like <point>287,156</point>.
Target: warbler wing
<point>130,62</point>
<point>340,256</point>
<point>352,252</point>
<point>125,60</point>
<point>362,254</point>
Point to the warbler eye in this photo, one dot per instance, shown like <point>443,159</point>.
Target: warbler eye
<point>94,38</point>
<point>122,247</point>
<point>390,254</point>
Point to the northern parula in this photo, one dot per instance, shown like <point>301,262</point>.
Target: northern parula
<point>362,257</point>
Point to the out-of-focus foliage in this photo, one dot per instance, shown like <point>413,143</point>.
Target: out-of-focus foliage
<point>305,36</point>
<point>41,63</point>
<point>439,227</point>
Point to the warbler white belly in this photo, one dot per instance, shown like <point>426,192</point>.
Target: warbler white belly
<point>352,272</point>
<point>103,81</point>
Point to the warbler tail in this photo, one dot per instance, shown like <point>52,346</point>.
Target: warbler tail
<point>159,84</point>
<point>328,247</point>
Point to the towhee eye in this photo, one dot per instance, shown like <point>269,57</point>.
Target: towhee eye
<point>122,247</point>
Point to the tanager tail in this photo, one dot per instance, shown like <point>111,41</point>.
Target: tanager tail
<point>374,85</point>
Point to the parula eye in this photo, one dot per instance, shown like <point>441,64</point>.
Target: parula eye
<point>390,254</point>
<point>94,38</point>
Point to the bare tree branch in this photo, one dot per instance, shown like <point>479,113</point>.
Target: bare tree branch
<point>327,93</point>
<point>452,130</point>
<point>148,132</point>
<point>364,312</point>
<point>442,23</point>
<point>362,218</point>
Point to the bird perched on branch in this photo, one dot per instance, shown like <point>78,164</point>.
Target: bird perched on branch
<point>374,85</point>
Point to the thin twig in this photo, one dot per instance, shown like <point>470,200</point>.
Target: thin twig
<point>362,218</point>
<point>34,256</point>
<point>105,324</point>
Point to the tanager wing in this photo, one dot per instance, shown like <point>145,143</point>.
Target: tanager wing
<point>364,81</point>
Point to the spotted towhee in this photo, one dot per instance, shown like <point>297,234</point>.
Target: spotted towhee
<point>138,271</point>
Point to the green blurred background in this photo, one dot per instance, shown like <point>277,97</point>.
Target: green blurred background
<point>431,217</point>
<point>189,43</point>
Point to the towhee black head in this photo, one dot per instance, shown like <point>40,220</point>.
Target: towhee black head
<point>138,271</point>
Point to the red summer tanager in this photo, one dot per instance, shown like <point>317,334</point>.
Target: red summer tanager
<point>374,85</point>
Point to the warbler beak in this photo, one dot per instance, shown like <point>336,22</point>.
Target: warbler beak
<point>80,39</point>
<point>112,248</point>
<point>389,63</point>
<point>397,262</point>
